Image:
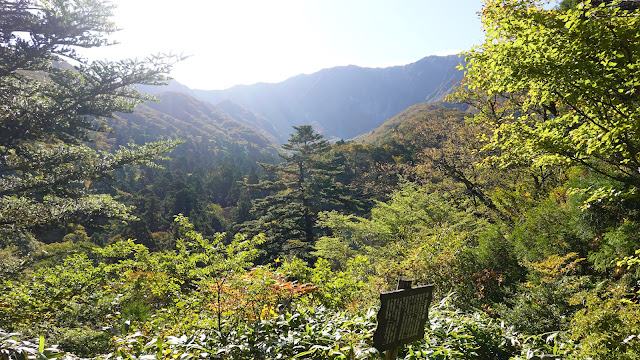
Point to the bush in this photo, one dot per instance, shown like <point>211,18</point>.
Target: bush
<point>608,327</point>
<point>546,302</point>
<point>309,333</point>
<point>84,342</point>
<point>551,228</point>
<point>617,243</point>
<point>321,333</point>
<point>454,334</point>
<point>496,267</point>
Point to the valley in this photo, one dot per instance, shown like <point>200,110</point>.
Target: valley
<point>265,221</point>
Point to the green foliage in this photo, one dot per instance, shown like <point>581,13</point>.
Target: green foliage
<point>617,244</point>
<point>607,327</point>
<point>418,234</point>
<point>210,136</point>
<point>321,333</point>
<point>314,333</point>
<point>352,288</point>
<point>211,258</point>
<point>411,212</point>
<point>457,335</point>
<point>528,213</point>
<point>207,195</point>
<point>12,346</point>
<point>370,169</point>
<point>335,250</point>
<point>50,110</point>
<point>630,262</point>
<point>546,302</point>
<point>568,4</point>
<point>303,185</point>
<point>210,264</point>
<point>559,87</point>
<point>122,282</point>
<point>496,264</point>
<point>551,227</point>
<point>82,341</point>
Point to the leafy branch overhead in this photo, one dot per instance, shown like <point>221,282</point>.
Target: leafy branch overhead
<point>560,87</point>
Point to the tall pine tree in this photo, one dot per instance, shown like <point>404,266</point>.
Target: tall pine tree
<point>306,184</point>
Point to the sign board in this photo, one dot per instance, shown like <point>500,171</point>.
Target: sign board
<point>402,317</point>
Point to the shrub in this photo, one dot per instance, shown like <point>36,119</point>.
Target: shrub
<point>608,327</point>
<point>546,302</point>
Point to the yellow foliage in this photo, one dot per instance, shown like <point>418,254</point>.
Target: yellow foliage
<point>554,266</point>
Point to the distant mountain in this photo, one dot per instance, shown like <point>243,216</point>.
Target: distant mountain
<point>172,86</point>
<point>247,117</point>
<point>211,135</point>
<point>346,101</point>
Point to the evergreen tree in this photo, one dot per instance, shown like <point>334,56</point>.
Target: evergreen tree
<point>52,101</point>
<point>306,185</point>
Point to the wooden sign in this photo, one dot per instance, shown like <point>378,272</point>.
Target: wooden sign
<point>402,317</point>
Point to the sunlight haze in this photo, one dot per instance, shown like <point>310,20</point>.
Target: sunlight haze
<point>248,41</point>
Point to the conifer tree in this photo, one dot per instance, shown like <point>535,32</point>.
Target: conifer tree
<point>53,100</point>
<point>306,185</point>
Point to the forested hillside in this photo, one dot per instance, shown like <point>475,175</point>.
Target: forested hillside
<point>522,212</point>
<point>202,178</point>
<point>211,135</point>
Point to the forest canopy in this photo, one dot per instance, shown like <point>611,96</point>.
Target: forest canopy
<point>523,212</point>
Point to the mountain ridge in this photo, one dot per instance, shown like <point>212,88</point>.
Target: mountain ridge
<point>341,102</point>
<point>344,101</point>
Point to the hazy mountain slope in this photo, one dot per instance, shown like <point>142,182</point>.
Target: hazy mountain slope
<point>343,102</point>
<point>247,117</point>
<point>211,136</point>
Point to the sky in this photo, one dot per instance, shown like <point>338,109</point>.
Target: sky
<point>231,42</point>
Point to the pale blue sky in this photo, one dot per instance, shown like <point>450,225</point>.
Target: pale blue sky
<point>247,41</point>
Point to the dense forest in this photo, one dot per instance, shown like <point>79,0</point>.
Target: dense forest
<point>131,228</point>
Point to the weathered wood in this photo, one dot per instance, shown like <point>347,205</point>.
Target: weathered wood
<point>391,354</point>
<point>402,317</point>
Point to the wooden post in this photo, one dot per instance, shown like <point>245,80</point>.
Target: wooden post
<point>391,354</point>
<point>403,283</point>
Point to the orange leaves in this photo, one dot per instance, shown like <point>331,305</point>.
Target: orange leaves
<point>487,279</point>
<point>255,295</point>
